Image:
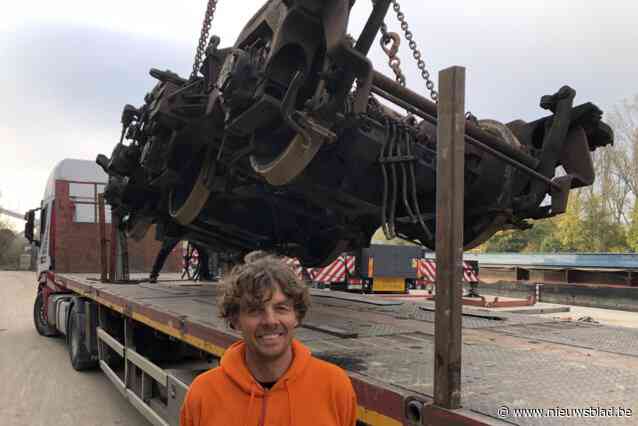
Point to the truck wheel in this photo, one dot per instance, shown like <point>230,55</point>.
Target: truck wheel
<point>80,357</point>
<point>39,318</point>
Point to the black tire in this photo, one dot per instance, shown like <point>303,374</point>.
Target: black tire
<point>78,354</point>
<point>39,319</point>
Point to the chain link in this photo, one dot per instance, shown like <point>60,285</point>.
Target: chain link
<point>203,37</point>
<point>390,43</point>
<point>416,53</point>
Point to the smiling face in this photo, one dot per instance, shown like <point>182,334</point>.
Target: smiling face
<point>268,328</point>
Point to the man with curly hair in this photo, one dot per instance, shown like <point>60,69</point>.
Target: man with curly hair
<point>268,377</point>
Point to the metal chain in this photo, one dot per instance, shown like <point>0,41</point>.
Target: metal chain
<point>203,37</point>
<point>392,50</point>
<point>416,53</point>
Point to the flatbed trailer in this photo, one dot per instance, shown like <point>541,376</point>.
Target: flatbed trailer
<point>151,340</point>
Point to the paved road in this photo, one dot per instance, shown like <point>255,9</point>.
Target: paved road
<point>38,386</point>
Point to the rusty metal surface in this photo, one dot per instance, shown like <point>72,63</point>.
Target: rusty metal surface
<point>270,123</point>
<point>506,361</point>
<point>617,340</point>
<point>102,228</point>
<point>472,317</point>
<point>493,376</point>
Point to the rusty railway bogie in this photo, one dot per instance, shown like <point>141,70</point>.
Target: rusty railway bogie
<point>270,148</point>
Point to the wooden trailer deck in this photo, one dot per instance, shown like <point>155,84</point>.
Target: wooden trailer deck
<point>509,360</point>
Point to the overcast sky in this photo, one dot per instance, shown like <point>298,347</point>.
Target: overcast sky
<point>68,66</point>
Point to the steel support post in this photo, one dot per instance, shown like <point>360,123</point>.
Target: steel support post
<point>122,259</point>
<point>371,29</point>
<point>129,367</point>
<point>449,237</point>
<point>119,251</point>
<point>102,225</point>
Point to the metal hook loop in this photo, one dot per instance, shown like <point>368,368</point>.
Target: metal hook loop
<point>390,44</point>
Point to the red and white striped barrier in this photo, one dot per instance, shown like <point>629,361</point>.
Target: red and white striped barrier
<point>194,258</point>
<point>336,271</point>
<point>426,270</point>
<point>295,265</point>
<point>333,273</point>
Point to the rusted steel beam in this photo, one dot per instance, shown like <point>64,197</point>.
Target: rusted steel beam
<point>388,85</point>
<point>431,119</point>
<point>119,251</point>
<point>437,416</point>
<point>371,29</point>
<point>496,303</point>
<point>449,237</point>
<point>115,223</point>
<point>122,253</point>
<point>102,225</point>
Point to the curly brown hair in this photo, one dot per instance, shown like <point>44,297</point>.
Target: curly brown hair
<point>251,284</point>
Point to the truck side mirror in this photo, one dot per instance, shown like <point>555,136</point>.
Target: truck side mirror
<point>29,226</point>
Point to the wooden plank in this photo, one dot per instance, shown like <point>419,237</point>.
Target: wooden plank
<point>449,237</point>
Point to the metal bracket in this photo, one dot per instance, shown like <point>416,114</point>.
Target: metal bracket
<point>561,197</point>
<point>303,147</point>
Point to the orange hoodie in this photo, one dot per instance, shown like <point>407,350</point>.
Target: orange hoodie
<point>312,392</point>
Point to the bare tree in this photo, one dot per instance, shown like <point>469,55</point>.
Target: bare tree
<point>621,165</point>
<point>611,186</point>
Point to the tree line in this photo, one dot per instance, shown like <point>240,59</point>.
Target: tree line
<point>12,246</point>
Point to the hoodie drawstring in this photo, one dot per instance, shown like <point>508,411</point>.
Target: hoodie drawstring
<point>289,402</point>
<point>250,405</point>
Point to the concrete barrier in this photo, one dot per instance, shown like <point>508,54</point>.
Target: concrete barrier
<point>595,296</point>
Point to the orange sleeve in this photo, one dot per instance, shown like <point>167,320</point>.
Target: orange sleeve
<point>353,410</point>
<point>349,404</point>
<point>185,415</point>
